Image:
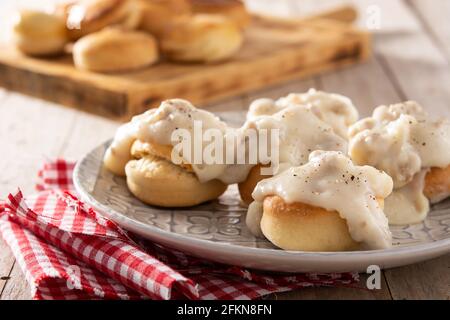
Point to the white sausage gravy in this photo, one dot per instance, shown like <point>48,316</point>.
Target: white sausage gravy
<point>336,110</point>
<point>404,142</point>
<point>301,132</point>
<point>331,181</point>
<point>158,126</point>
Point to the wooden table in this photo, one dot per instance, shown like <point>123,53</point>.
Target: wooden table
<point>410,62</point>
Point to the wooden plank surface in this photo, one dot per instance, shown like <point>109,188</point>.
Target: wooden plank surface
<point>273,51</point>
<point>388,78</point>
<point>435,21</point>
<point>16,288</point>
<point>427,280</point>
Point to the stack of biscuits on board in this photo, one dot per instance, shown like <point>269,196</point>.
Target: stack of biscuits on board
<point>123,35</point>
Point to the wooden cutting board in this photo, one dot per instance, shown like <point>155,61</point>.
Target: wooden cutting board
<point>274,51</point>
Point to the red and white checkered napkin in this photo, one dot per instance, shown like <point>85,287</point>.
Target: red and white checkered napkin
<point>67,251</point>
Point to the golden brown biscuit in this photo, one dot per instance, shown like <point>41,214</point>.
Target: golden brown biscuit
<point>301,227</point>
<point>201,38</point>
<point>38,33</point>
<point>62,9</point>
<point>88,16</point>
<point>246,187</point>
<point>114,49</point>
<point>141,149</point>
<point>437,184</point>
<point>158,182</point>
<point>115,162</point>
<point>158,15</point>
<point>233,9</point>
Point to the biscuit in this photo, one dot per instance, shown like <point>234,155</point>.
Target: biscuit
<point>158,182</point>
<point>233,9</point>
<point>114,49</point>
<point>437,184</point>
<point>39,34</point>
<point>302,227</point>
<point>201,38</point>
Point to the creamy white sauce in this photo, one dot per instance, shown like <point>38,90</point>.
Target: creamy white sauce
<point>301,132</point>
<point>172,115</point>
<point>402,140</point>
<point>388,148</point>
<point>254,217</point>
<point>336,110</point>
<point>119,152</point>
<point>331,181</point>
<point>158,125</point>
<point>408,205</point>
<point>432,141</point>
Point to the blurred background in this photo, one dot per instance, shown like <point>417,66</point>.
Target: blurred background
<point>411,45</point>
<point>393,18</point>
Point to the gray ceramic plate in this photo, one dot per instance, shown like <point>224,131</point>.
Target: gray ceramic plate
<point>217,231</point>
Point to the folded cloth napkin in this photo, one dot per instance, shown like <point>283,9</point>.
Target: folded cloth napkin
<point>68,251</point>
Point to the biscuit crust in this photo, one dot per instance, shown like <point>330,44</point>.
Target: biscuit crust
<point>302,227</point>
<point>158,182</point>
<point>437,184</point>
